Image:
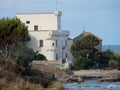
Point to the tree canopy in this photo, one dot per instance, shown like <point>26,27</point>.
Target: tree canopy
<point>23,55</point>
<point>12,32</point>
<point>87,56</point>
<point>84,46</point>
<point>82,63</point>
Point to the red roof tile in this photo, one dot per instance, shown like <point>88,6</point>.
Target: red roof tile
<point>50,39</point>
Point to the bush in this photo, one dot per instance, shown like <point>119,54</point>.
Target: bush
<point>11,66</point>
<point>24,55</point>
<point>40,57</point>
<point>26,88</point>
<point>2,62</point>
<point>82,63</point>
<point>39,80</point>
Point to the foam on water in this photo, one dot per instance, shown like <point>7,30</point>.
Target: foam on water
<point>113,86</point>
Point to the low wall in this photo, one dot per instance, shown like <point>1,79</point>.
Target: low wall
<point>54,64</point>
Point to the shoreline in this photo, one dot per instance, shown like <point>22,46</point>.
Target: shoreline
<point>99,75</point>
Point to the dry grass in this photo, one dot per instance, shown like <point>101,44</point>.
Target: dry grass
<point>22,85</point>
<point>9,81</point>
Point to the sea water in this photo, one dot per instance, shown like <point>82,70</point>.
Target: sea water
<point>115,48</point>
<point>93,85</point>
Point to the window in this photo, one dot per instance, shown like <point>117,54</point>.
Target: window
<point>66,55</point>
<point>41,43</point>
<point>53,44</point>
<point>27,22</point>
<point>56,43</point>
<point>56,56</point>
<point>36,28</point>
<point>66,43</point>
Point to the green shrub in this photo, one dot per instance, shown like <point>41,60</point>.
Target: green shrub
<point>12,66</point>
<point>2,62</point>
<point>39,80</point>
<point>26,88</point>
<point>24,55</point>
<point>82,63</point>
<point>40,57</point>
<point>33,79</point>
<point>9,78</point>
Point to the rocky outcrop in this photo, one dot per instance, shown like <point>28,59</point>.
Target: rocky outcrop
<point>100,75</point>
<point>46,70</point>
<point>49,71</point>
<point>75,79</point>
<point>110,79</point>
<point>70,79</point>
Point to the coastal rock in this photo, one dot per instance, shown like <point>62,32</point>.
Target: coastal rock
<point>100,75</point>
<point>75,79</point>
<point>110,79</point>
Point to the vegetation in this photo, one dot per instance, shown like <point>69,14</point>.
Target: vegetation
<point>39,80</point>
<point>117,58</point>
<point>12,32</point>
<point>82,63</point>
<point>24,56</point>
<point>114,59</point>
<point>99,60</point>
<point>15,56</point>
<point>88,57</point>
<point>39,57</point>
<point>84,46</point>
<point>86,54</point>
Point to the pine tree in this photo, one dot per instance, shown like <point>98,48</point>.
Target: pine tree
<point>12,32</point>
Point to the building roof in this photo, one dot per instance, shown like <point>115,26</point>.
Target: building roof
<point>37,13</point>
<point>55,12</point>
<point>50,39</point>
<point>84,33</point>
<point>69,38</point>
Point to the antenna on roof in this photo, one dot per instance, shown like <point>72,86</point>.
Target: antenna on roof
<point>83,29</point>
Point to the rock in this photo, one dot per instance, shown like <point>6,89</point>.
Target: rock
<point>80,80</point>
<point>75,79</point>
<point>110,79</point>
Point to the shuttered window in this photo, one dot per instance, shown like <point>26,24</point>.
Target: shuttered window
<point>36,28</point>
<point>41,43</point>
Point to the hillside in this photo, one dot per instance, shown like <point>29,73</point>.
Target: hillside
<point>12,81</point>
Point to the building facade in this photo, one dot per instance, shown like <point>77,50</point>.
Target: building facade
<point>46,34</point>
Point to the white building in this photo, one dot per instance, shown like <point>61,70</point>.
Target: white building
<point>46,35</point>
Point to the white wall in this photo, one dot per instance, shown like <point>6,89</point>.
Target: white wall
<point>48,49</point>
<point>70,56</point>
<point>49,27</point>
<point>45,21</point>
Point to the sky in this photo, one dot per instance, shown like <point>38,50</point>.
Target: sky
<point>101,17</point>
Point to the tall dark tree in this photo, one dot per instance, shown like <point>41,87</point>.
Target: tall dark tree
<point>82,63</point>
<point>85,46</point>
<point>12,32</point>
<point>100,60</point>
